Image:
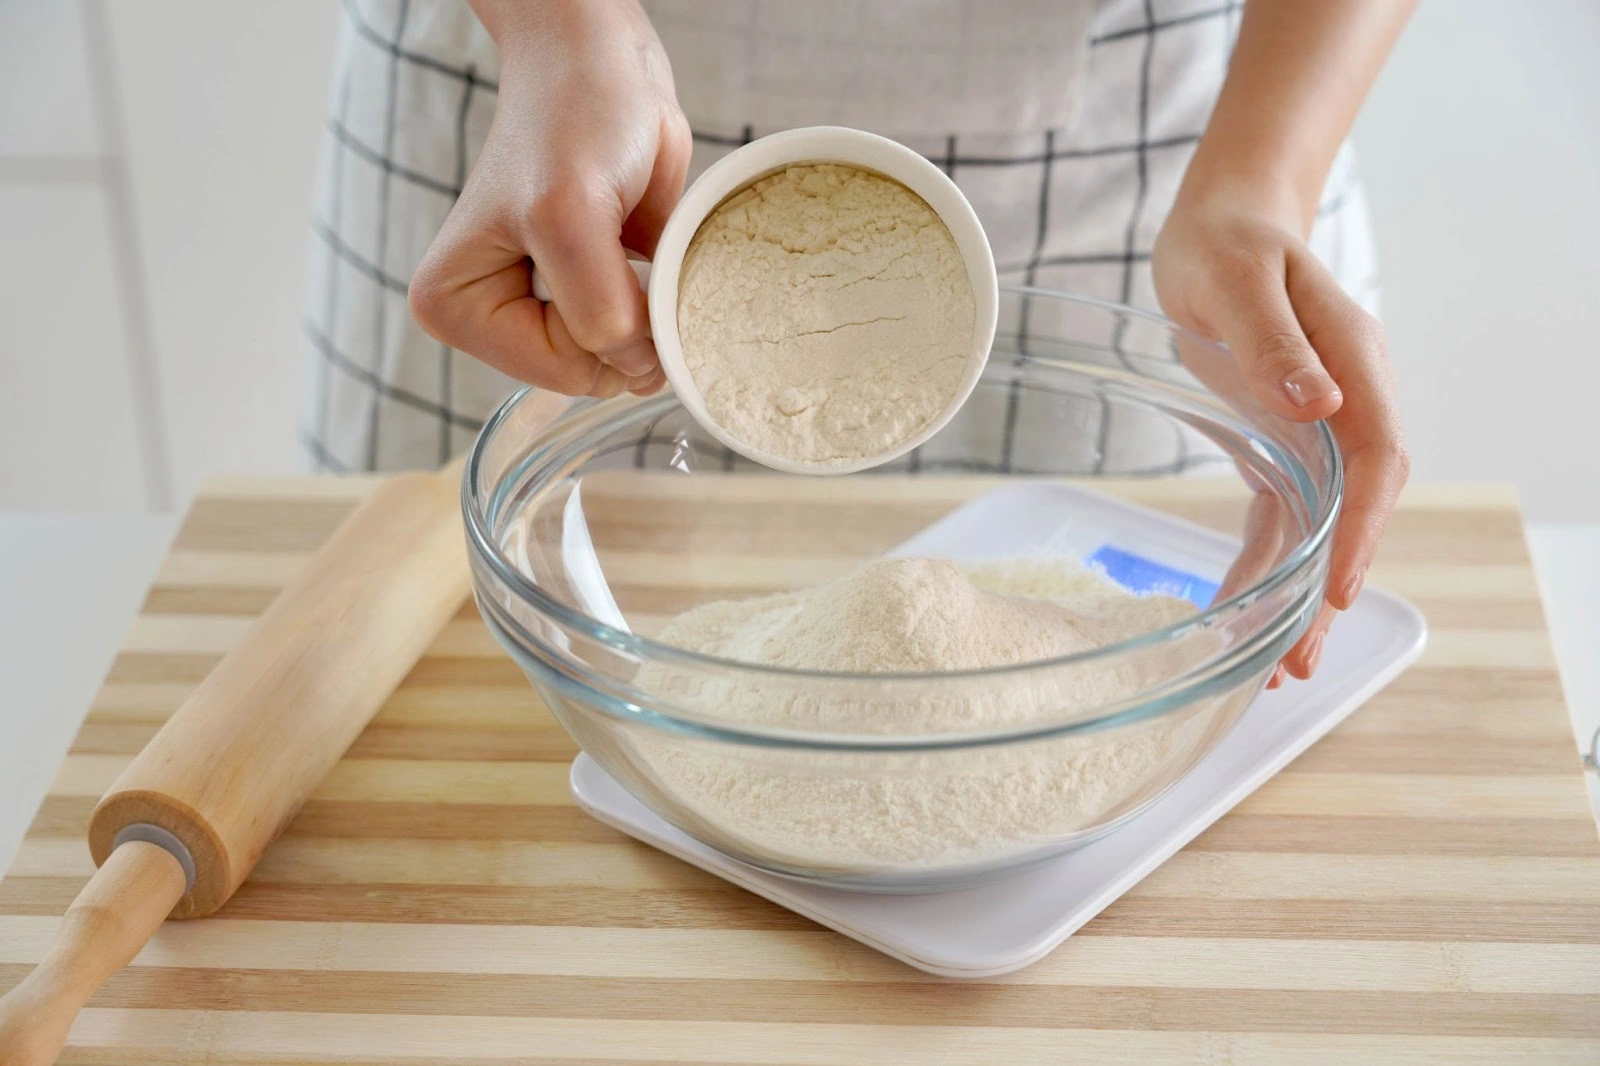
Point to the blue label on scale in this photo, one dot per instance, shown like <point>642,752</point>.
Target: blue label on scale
<point>1138,574</point>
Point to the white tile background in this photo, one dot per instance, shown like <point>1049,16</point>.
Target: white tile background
<point>1481,146</point>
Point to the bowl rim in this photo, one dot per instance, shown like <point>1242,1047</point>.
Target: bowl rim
<point>484,546</point>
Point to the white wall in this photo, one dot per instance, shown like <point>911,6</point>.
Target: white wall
<point>67,421</point>
<point>1481,146</point>
<point>224,105</point>
<point>125,381</point>
<point>1481,150</point>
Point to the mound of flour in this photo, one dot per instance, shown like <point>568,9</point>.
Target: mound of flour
<point>850,811</point>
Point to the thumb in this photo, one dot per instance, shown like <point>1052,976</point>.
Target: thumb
<point>575,241</point>
<point>1258,323</point>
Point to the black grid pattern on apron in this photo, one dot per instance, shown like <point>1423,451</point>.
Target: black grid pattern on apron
<point>390,404</point>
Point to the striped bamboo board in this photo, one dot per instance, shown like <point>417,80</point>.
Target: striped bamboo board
<point>1422,886</point>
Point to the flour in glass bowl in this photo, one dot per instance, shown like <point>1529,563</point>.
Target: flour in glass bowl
<point>848,811</point>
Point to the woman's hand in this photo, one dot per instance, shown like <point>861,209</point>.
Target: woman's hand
<point>1232,262</point>
<point>1235,270</point>
<point>586,157</point>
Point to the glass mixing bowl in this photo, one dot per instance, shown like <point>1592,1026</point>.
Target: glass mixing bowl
<point>590,525</point>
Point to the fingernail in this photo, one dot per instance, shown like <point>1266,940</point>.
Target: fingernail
<point>1352,588</point>
<point>636,362</point>
<point>1305,387</point>
<point>1314,654</point>
<point>607,383</point>
<point>650,385</point>
<point>1276,679</point>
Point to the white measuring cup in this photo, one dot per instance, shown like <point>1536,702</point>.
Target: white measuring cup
<point>767,156</point>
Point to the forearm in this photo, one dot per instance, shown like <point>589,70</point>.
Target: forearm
<point>504,18</point>
<point>1300,71</point>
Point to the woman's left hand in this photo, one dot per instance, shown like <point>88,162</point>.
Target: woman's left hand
<point>1239,273</point>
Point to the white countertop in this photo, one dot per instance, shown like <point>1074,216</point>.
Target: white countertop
<point>73,583</point>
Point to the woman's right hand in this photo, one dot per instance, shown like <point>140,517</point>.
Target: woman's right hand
<point>586,156</point>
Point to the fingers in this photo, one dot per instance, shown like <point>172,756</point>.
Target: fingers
<point>1367,426</point>
<point>612,382</point>
<point>1373,479</point>
<point>1266,524</point>
<point>1302,659</point>
<point>1215,367</point>
<point>648,386</point>
<point>473,291</point>
<point>1260,325</point>
<point>576,238</point>
<point>562,171</point>
<point>495,317</point>
<point>609,381</point>
<point>613,325</point>
<point>1306,351</point>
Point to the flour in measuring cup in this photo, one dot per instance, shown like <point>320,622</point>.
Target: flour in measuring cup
<point>825,314</point>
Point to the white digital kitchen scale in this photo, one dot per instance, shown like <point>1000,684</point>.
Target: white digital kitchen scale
<point>1011,921</point>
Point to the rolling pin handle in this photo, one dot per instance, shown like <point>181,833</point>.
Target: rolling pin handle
<point>123,904</point>
<point>168,842</point>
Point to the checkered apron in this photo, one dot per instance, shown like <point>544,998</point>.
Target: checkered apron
<point>1067,123</point>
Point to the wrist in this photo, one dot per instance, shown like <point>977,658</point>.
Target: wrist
<point>592,41</point>
<point>519,28</point>
<point>1221,179</point>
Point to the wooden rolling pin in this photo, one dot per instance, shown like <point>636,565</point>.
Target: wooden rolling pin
<point>185,823</point>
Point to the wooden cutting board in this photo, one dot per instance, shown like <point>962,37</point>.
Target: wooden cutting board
<point>1422,886</point>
